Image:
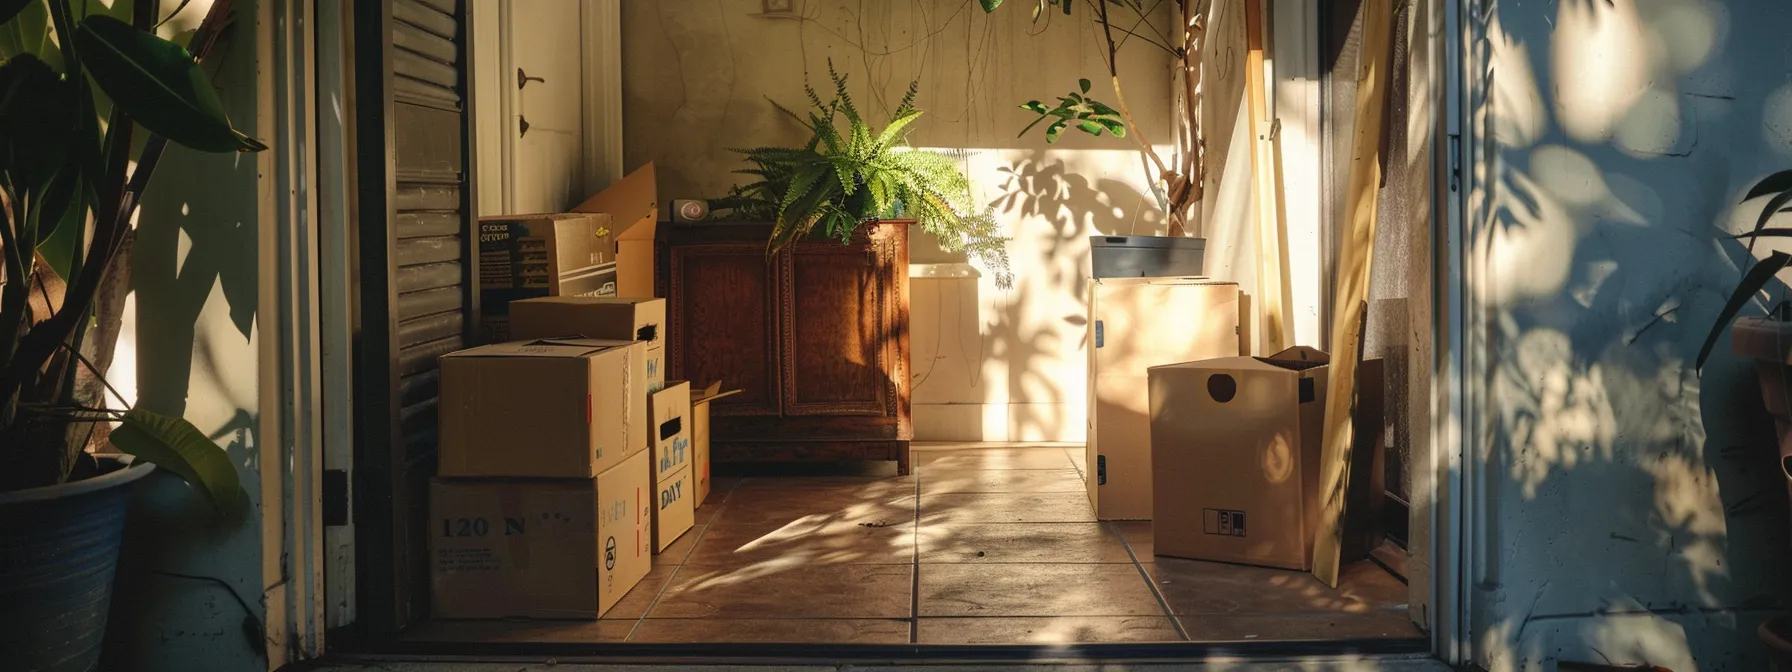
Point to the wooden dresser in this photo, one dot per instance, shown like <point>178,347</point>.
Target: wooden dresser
<point>816,338</point>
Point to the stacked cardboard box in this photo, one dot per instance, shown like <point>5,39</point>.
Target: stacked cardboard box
<point>604,247</point>
<point>635,319</point>
<point>1135,324</point>
<point>542,504</point>
<point>680,414</point>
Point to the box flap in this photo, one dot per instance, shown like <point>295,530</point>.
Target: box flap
<point>633,201</point>
<point>709,393</point>
<point>547,347</point>
<point>1301,353</point>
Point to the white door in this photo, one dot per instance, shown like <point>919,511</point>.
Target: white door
<point>545,49</point>
<point>530,85</point>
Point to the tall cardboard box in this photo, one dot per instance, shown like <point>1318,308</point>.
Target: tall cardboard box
<point>674,512</point>
<point>559,408</point>
<point>523,256</point>
<point>1135,324</point>
<point>631,319</point>
<point>633,202</point>
<point>1236,449</point>
<point>559,548</point>
<point>700,436</point>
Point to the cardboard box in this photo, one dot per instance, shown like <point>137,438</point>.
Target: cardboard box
<point>569,408</point>
<point>633,202</point>
<point>557,548</point>
<point>700,436</point>
<point>1236,450</point>
<point>670,410</point>
<point>523,256</point>
<point>1135,324</point>
<point>635,319</point>
<point>675,513</point>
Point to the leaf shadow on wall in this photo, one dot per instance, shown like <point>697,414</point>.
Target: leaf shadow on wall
<point>186,572</point>
<point>1633,504</point>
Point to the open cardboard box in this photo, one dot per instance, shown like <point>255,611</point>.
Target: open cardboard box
<point>700,400</point>
<point>524,256</point>
<point>634,207</point>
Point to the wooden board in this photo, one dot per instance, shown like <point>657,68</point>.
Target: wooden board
<point>1266,184</point>
<point>1356,250</point>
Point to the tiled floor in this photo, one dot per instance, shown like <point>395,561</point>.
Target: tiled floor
<point>979,546</point>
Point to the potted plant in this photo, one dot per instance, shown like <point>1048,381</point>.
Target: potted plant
<point>1175,182</point>
<point>68,190</point>
<point>1768,341</point>
<point>846,177</point>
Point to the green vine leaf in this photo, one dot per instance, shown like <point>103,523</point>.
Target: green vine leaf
<point>989,5</point>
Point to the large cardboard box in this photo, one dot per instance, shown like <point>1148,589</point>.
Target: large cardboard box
<point>670,409</point>
<point>1135,324</point>
<point>636,319</point>
<point>559,548</point>
<point>633,202</point>
<point>560,408</point>
<point>700,436</point>
<point>523,256</point>
<point>1236,448</point>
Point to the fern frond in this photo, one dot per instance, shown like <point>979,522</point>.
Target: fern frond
<point>908,99</point>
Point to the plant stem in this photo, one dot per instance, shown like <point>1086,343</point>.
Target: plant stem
<point>1107,31</point>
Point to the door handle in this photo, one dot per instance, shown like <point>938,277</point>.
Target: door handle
<point>523,79</point>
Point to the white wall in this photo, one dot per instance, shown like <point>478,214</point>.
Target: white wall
<point>988,364</point>
<point>191,347</point>
<point>1631,511</point>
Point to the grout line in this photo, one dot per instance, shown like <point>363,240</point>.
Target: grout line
<point>675,568</point>
<point>914,590</point>
<point>1161,602</point>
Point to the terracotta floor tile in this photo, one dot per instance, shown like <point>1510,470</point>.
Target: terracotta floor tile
<point>844,504</point>
<point>1055,507</point>
<point>519,631</point>
<point>1137,534</point>
<point>784,631</point>
<point>812,539</point>
<point>1194,587</point>
<point>776,589</point>
<point>706,514</point>
<point>634,605</point>
<point>1299,627</point>
<point>1035,590</point>
<point>680,549</point>
<point>951,481</point>
<point>1046,630</point>
<point>993,458</point>
<point>1021,542</point>
<point>890,483</point>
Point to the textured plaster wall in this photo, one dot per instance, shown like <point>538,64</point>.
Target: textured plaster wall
<point>190,348</point>
<point>1633,513</point>
<point>988,364</point>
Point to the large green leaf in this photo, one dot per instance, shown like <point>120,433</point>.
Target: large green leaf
<point>158,84</point>
<point>38,112</point>
<point>176,445</point>
<point>11,8</point>
<point>1756,278</point>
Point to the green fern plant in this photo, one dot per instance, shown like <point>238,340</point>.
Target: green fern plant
<point>849,174</point>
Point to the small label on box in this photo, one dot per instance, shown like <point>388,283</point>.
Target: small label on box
<point>1098,334</point>
<point>1101,470</point>
<point>1223,522</point>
